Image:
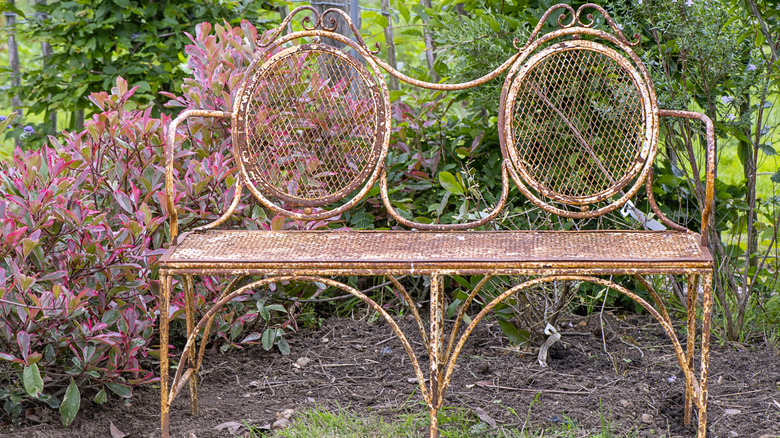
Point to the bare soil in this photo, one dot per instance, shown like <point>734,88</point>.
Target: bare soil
<point>636,384</point>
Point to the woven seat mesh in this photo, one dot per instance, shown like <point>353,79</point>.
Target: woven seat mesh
<point>311,127</point>
<point>578,123</point>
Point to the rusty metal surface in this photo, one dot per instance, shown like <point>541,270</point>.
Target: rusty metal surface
<point>170,141</point>
<point>572,140</point>
<point>709,196</point>
<point>311,248</point>
<point>318,149</point>
<point>309,125</point>
<point>578,130</point>
<point>560,119</point>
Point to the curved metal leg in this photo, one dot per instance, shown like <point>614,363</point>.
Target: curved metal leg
<point>181,376</point>
<point>450,361</point>
<point>165,295</point>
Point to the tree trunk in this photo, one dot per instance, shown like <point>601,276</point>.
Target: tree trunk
<point>46,54</point>
<point>389,43</point>
<point>13,61</point>
<point>428,37</point>
<point>78,120</point>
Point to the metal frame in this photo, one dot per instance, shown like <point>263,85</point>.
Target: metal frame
<point>443,355</point>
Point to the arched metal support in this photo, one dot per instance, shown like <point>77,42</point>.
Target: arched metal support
<point>181,377</point>
<point>696,390</point>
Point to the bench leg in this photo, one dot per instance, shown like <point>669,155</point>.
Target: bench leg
<point>165,295</point>
<point>434,414</point>
<point>189,293</point>
<point>436,350</point>
<point>705,351</point>
<point>693,290</point>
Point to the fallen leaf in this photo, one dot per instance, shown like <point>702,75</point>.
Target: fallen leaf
<point>115,432</point>
<point>732,411</point>
<point>484,384</point>
<point>483,415</point>
<point>231,426</point>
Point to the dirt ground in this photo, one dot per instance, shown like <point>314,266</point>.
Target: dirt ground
<point>359,365</point>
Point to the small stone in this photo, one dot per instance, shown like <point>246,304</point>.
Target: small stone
<point>302,361</point>
<point>733,434</point>
<point>732,411</point>
<point>647,419</point>
<point>285,414</point>
<point>231,426</point>
<point>386,350</point>
<point>625,403</point>
<point>280,424</point>
<point>325,340</point>
<point>310,399</point>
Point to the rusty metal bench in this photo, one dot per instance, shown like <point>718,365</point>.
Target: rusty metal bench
<point>311,125</point>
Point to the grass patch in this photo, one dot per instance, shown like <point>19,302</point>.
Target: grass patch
<point>454,423</point>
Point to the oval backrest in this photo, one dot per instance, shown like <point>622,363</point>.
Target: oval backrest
<point>310,126</point>
<point>580,124</point>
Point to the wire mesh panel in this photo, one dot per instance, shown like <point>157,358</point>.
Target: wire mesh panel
<point>309,125</point>
<point>579,129</point>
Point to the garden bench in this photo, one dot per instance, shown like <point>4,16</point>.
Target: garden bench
<point>578,127</point>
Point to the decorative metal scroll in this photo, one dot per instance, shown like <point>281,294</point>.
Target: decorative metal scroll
<point>576,19</point>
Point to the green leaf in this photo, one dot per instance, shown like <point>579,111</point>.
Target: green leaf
<point>362,220</point>
<point>452,184</point>
<point>284,347</point>
<point>8,6</point>
<point>50,400</point>
<point>276,307</point>
<point>767,149</point>
<point>268,338</point>
<point>776,178</point>
<point>4,124</point>
<point>515,336</point>
<point>403,10</point>
<point>33,383</point>
<point>264,312</point>
<point>70,404</point>
<point>743,152</point>
<point>101,396</point>
<point>120,390</point>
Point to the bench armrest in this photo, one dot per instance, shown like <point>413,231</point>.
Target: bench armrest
<point>169,143</point>
<point>709,196</point>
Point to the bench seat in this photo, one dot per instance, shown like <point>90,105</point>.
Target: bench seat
<point>411,250</point>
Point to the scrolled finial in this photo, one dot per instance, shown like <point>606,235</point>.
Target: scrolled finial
<point>618,31</point>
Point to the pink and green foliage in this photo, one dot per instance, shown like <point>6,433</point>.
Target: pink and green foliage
<point>85,219</point>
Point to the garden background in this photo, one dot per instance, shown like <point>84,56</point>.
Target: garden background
<point>81,178</point>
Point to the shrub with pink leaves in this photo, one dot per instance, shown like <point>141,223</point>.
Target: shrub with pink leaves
<point>84,220</point>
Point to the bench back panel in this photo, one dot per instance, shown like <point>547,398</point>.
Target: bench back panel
<point>311,126</point>
<point>579,122</point>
